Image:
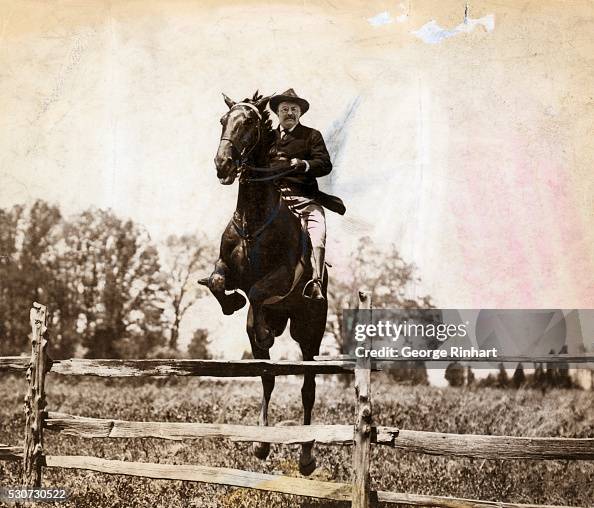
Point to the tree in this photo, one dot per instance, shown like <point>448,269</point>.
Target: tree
<point>454,374</point>
<point>519,378</point>
<point>470,379</point>
<point>383,272</point>
<point>198,347</point>
<point>184,257</point>
<point>502,378</point>
<point>12,334</point>
<point>112,272</point>
<point>26,236</point>
<point>563,378</point>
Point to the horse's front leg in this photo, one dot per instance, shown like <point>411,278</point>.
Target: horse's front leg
<point>261,450</point>
<point>219,281</point>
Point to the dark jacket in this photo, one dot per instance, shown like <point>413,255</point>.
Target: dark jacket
<point>308,145</point>
<point>302,143</point>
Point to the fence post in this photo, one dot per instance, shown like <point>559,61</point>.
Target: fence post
<point>361,492</point>
<point>35,398</point>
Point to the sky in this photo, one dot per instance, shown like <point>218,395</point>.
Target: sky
<point>461,129</point>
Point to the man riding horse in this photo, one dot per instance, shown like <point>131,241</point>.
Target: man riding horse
<point>304,147</point>
<point>263,249</point>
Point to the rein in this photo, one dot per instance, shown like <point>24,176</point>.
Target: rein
<point>248,179</point>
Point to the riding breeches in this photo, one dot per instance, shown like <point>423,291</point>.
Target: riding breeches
<point>315,221</point>
<point>313,215</point>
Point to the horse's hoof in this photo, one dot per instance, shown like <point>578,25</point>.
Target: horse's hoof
<point>261,450</point>
<point>309,468</point>
<point>233,303</point>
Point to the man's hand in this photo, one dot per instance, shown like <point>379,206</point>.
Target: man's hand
<point>298,164</point>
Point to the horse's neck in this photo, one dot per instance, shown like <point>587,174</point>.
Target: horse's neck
<point>255,202</point>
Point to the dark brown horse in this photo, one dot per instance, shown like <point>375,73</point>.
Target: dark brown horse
<point>265,254</point>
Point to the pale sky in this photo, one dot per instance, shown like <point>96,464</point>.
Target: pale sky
<point>469,148</point>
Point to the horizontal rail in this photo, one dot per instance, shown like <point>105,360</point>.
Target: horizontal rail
<point>219,368</point>
<point>431,443</point>
<point>342,364</point>
<point>218,475</point>
<point>11,452</point>
<point>575,358</point>
<point>495,447</point>
<point>450,502</point>
<point>14,363</point>
<point>293,434</point>
<point>260,481</point>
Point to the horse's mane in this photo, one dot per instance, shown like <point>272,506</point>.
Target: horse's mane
<point>267,122</point>
<point>267,132</point>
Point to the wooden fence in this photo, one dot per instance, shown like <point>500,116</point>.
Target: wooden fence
<point>361,436</point>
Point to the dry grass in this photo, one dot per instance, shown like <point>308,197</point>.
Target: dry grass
<point>488,411</point>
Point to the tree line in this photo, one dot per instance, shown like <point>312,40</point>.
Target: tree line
<point>113,293</point>
<point>110,290</point>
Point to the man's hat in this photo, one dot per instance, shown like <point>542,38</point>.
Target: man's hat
<point>288,96</point>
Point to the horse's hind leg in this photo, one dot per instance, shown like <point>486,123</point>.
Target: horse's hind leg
<point>309,339</point>
<point>218,282</point>
<point>261,450</point>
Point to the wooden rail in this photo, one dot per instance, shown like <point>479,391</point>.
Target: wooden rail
<point>261,481</point>
<point>294,434</point>
<point>218,368</point>
<point>343,364</point>
<point>15,364</point>
<point>11,452</point>
<point>552,358</point>
<point>495,447</point>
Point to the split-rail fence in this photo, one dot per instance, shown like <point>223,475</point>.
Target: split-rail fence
<point>361,436</point>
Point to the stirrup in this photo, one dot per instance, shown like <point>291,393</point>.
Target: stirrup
<point>307,294</point>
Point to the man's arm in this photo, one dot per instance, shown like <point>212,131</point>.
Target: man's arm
<point>318,163</point>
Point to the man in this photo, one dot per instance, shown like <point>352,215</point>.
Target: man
<point>305,151</point>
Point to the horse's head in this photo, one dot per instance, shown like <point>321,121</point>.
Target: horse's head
<point>242,132</point>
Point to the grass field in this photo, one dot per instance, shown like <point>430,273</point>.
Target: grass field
<point>488,411</point>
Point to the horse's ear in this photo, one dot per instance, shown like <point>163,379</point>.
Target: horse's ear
<point>228,101</point>
<point>261,104</point>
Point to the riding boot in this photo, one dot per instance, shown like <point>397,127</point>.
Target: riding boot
<point>314,286</point>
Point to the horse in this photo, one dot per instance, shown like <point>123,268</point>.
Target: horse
<point>265,253</point>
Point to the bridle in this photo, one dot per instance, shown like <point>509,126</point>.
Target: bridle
<point>245,153</point>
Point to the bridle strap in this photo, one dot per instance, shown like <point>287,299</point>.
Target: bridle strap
<point>251,106</point>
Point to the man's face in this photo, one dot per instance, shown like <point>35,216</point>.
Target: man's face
<point>288,114</point>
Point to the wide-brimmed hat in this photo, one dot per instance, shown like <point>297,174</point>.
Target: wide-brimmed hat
<point>288,96</point>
